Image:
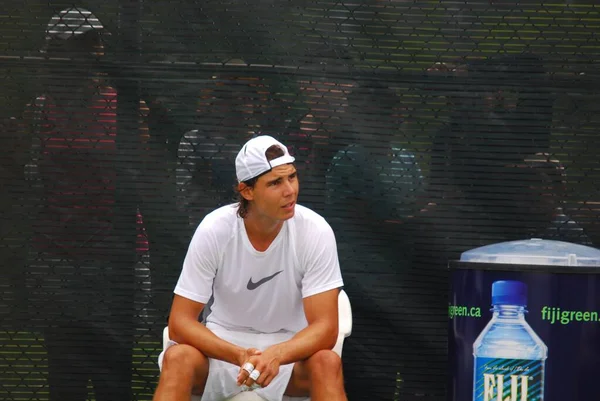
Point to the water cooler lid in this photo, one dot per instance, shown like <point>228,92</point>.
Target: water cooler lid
<point>535,251</point>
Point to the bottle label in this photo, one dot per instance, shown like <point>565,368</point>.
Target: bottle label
<point>499,379</point>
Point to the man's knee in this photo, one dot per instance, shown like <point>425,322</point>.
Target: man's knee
<point>324,362</point>
<point>184,372</point>
<point>323,370</point>
<point>184,359</point>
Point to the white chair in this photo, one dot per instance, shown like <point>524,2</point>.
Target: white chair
<point>345,329</point>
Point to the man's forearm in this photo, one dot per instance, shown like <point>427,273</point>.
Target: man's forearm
<point>316,337</point>
<point>198,336</point>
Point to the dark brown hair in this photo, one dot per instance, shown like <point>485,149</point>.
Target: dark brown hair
<point>272,153</point>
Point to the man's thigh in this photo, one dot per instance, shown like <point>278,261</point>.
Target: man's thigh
<point>200,376</point>
<point>299,385</point>
<point>182,359</point>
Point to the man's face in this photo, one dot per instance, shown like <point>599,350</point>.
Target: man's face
<point>274,195</point>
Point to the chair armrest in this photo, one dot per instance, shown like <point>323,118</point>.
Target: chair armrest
<point>344,314</point>
<point>165,339</point>
<point>344,322</point>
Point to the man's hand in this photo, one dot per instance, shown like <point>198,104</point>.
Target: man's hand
<point>265,367</point>
<point>247,354</point>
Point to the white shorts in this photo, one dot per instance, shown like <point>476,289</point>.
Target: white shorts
<point>222,376</point>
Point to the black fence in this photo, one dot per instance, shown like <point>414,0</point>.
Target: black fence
<point>421,129</point>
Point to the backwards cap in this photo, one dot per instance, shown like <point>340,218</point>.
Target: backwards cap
<point>252,161</point>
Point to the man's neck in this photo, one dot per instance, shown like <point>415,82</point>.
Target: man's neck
<point>261,232</point>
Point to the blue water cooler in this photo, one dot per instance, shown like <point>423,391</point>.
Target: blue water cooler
<point>524,322</point>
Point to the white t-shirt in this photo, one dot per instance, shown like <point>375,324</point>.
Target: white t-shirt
<point>259,291</point>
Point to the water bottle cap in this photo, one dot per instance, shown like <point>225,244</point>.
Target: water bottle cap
<point>507,292</point>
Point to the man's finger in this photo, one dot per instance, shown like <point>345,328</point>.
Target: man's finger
<point>264,380</point>
<point>242,377</point>
<point>248,382</point>
<point>267,381</point>
<point>245,371</point>
<point>252,378</point>
<point>248,367</point>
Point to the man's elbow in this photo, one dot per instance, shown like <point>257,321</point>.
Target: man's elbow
<point>176,328</point>
<point>330,337</point>
<point>332,341</point>
<point>172,325</point>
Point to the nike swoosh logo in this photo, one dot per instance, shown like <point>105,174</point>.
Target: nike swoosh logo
<point>252,286</point>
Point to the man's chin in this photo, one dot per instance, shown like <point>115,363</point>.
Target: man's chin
<point>288,213</point>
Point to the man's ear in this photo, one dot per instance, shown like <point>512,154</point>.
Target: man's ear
<point>246,191</point>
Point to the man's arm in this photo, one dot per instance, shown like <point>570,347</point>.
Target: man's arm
<point>320,260</point>
<point>184,328</point>
<point>321,312</point>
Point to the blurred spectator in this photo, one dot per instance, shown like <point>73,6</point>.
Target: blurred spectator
<point>370,195</point>
<point>14,222</point>
<point>484,186</point>
<point>373,186</point>
<point>81,269</point>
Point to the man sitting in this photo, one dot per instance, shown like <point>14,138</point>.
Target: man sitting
<point>272,269</point>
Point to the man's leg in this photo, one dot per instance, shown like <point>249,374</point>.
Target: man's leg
<point>184,372</point>
<point>320,376</point>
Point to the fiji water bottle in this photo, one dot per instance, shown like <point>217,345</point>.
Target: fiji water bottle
<point>509,356</point>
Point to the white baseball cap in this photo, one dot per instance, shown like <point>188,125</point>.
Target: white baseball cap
<point>251,161</point>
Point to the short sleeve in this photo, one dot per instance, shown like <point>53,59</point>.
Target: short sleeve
<point>320,259</point>
<point>199,267</point>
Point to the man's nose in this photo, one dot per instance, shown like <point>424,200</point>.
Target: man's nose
<point>288,188</point>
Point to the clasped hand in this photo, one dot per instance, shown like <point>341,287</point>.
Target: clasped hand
<point>257,367</point>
